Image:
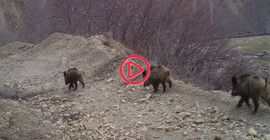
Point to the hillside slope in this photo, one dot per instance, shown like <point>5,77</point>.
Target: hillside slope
<point>10,20</point>
<point>35,103</point>
<point>239,17</point>
<point>255,47</point>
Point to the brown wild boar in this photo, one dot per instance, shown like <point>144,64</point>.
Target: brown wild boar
<point>72,76</point>
<point>250,86</point>
<point>158,74</point>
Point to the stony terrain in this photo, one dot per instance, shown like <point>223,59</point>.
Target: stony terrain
<point>35,103</point>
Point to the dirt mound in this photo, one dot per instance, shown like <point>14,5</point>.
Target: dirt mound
<point>33,69</point>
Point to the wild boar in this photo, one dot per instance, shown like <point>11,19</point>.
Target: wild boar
<point>158,74</point>
<point>250,86</point>
<point>72,76</point>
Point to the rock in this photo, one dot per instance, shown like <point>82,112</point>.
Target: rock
<point>92,126</point>
<point>143,100</point>
<point>267,137</point>
<point>178,109</point>
<point>106,109</point>
<point>148,95</point>
<point>185,133</point>
<point>217,124</point>
<point>127,126</point>
<point>170,128</point>
<point>251,131</point>
<point>201,112</point>
<point>96,78</point>
<point>189,120</point>
<point>110,80</point>
<point>241,118</point>
<point>183,124</point>
<point>214,110</point>
<point>160,103</point>
<point>168,121</point>
<point>144,129</point>
<point>198,121</point>
<point>151,109</point>
<point>44,106</point>
<point>214,120</point>
<point>144,113</point>
<point>148,88</point>
<point>101,113</point>
<point>119,91</point>
<point>227,118</point>
<point>127,133</point>
<point>66,115</point>
<point>232,126</point>
<point>183,115</point>
<point>221,129</point>
<point>139,123</point>
<point>87,116</point>
<point>52,110</point>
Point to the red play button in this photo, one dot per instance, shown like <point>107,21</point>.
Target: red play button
<point>130,63</point>
<point>128,73</point>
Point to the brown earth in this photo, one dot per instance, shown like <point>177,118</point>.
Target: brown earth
<point>36,104</point>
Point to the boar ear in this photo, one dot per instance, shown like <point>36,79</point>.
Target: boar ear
<point>167,73</point>
<point>234,80</point>
<point>152,67</point>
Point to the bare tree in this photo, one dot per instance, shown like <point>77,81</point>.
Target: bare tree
<point>165,32</point>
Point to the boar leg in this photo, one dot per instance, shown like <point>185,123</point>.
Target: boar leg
<point>170,83</point>
<point>256,104</point>
<point>70,85</point>
<point>81,81</point>
<point>164,86</point>
<point>240,102</point>
<point>76,85</point>
<point>247,102</point>
<point>155,86</point>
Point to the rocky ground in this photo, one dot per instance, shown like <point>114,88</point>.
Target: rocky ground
<point>35,103</point>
